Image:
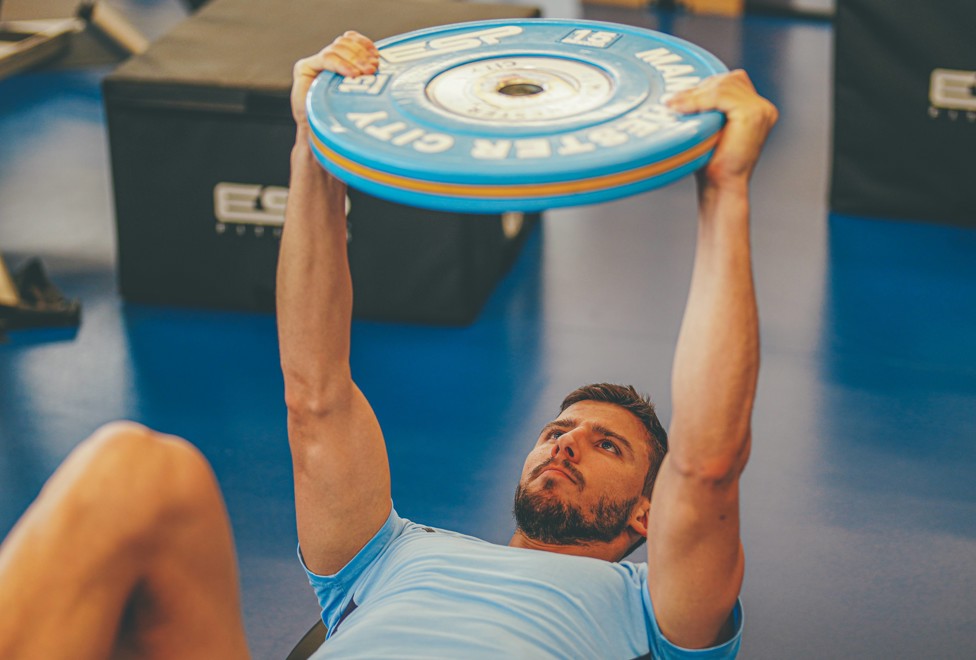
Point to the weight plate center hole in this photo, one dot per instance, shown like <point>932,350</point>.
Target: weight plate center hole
<point>520,88</point>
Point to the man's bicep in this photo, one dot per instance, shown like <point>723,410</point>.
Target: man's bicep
<point>342,481</point>
<point>695,558</point>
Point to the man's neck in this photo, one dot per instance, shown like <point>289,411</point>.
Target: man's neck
<point>605,551</point>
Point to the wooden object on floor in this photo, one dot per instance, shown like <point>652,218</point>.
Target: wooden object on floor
<point>719,7</point>
<point>8,290</point>
<point>633,4</point>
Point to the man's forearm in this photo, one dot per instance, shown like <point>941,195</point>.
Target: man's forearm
<point>717,358</point>
<point>314,289</point>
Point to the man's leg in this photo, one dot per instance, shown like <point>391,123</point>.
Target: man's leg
<point>127,552</point>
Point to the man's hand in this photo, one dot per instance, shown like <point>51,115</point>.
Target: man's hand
<point>749,118</point>
<point>350,55</point>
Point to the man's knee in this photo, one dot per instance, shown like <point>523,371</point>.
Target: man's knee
<point>129,471</point>
<point>135,450</point>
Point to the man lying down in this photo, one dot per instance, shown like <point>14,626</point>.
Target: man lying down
<point>127,552</point>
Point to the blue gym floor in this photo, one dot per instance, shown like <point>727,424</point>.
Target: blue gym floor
<point>859,503</point>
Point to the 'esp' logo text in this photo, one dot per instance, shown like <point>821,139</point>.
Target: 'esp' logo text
<point>250,204</point>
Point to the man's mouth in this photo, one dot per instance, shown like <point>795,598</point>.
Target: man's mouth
<point>564,470</point>
<point>556,470</point>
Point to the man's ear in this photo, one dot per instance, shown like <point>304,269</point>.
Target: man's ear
<point>639,517</point>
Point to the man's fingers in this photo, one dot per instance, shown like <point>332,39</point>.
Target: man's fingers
<point>346,64</point>
<point>749,118</point>
<point>720,92</point>
<point>356,54</point>
<point>339,59</point>
<point>731,93</point>
<point>365,42</point>
<point>352,54</point>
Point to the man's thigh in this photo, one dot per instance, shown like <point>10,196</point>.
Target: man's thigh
<point>127,551</point>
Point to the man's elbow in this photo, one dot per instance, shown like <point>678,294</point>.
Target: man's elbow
<point>719,469</point>
<point>310,400</point>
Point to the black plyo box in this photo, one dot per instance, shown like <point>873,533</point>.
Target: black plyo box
<point>200,134</point>
<point>905,110</point>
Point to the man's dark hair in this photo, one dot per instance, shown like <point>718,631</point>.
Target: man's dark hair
<point>640,406</point>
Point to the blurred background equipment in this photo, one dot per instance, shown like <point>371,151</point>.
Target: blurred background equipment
<point>905,110</point>
<point>64,33</point>
<point>28,299</point>
<point>200,133</point>
<point>26,43</point>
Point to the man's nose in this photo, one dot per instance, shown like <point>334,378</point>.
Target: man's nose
<point>567,445</point>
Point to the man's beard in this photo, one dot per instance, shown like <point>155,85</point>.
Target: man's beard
<point>548,520</point>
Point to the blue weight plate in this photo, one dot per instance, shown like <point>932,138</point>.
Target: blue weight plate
<point>515,115</point>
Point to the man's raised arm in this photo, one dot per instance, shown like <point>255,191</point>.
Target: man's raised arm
<point>695,560</point>
<point>342,475</point>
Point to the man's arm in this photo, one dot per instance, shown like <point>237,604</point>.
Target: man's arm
<point>342,474</point>
<point>695,559</point>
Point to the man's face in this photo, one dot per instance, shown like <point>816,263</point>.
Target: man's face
<point>583,477</point>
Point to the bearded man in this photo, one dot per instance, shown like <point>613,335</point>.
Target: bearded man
<point>389,587</point>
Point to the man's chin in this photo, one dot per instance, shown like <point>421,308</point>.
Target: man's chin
<point>548,514</point>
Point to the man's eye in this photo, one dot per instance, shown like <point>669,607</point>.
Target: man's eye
<point>553,434</point>
<point>609,446</point>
